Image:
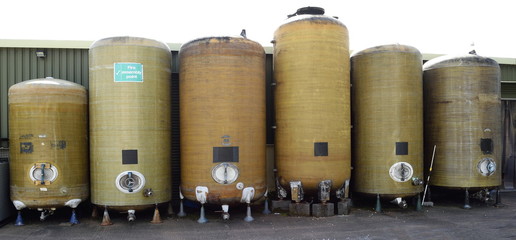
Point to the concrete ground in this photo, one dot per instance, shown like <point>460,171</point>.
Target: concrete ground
<point>446,220</point>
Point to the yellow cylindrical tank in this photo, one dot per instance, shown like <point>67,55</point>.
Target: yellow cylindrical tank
<point>48,144</point>
<point>130,126</point>
<point>463,120</point>
<point>222,112</point>
<point>312,100</point>
<point>387,110</point>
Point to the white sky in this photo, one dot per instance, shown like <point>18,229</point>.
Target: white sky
<point>432,26</point>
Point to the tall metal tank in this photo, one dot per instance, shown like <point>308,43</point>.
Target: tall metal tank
<point>312,101</point>
<point>130,124</point>
<point>387,109</point>
<point>48,145</point>
<point>463,121</point>
<point>222,111</point>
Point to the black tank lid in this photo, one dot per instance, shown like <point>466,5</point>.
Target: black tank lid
<point>308,10</point>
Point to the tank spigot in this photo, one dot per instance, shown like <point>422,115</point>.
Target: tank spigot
<point>147,192</point>
<point>417,181</point>
<point>131,216</point>
<point>225,212</point>
<point>45,213</point>
<point>400,202</point>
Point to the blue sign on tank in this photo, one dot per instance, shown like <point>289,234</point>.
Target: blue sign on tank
<point>128,72</point>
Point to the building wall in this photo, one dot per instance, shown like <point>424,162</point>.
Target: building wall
<point>20,64</point>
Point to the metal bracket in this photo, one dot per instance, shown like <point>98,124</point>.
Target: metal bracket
<point>343,191</point>
<point>324,190</point>
<point>296,190</point>
<point>282,193</point>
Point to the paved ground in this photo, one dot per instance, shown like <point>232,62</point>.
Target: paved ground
<point>446,220</point>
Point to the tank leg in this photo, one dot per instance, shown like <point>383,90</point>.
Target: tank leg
<point>378,207</point>
<point>266,209</point>
<point>248,217</point>
<point>94,212</point>
<point>73,218</point>
<point>106,220</point>
<point>19,220</point>
<point>419,207</point>
<point>202,218</point>
<point>156,218</point>
<point>498,202</point>
<point>170,210</point>
<point>131,215</point>
<point>466,200</point>
<point>181,212</point>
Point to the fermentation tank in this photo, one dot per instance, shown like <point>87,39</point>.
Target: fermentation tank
<point>463,121</point>
<point>312,104</point>
<point>130,128</point>
<point>48,145</point>
<point>387,110</point>
<point>222,112</point>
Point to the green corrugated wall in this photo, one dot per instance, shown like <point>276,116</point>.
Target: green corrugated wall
<point>20,64</point>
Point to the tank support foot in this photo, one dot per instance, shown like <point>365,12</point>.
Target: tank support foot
<point>156,218</point>
<point>266,209</point>
<point>466,200</point>
<point>248,217</point>
<point>106,220</point>
<point>419,206</point>
<point>344,206</point>
<point>378,207</point>
<point>19,220</point>
<point>73,218</point>
<point>181,212</point>
<point>202,218</point>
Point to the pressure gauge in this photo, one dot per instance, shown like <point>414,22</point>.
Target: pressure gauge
<point>224,173</point>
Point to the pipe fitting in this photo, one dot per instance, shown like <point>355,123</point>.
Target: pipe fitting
<point>148,192</point>
<point>417,181</point>
<point>131,216</point>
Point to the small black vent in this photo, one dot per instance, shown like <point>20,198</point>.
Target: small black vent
<point>486,145</point>
<point>129,156</point>
<point>401,148</point>
<point>225,154</point>
<point>321,149</point>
